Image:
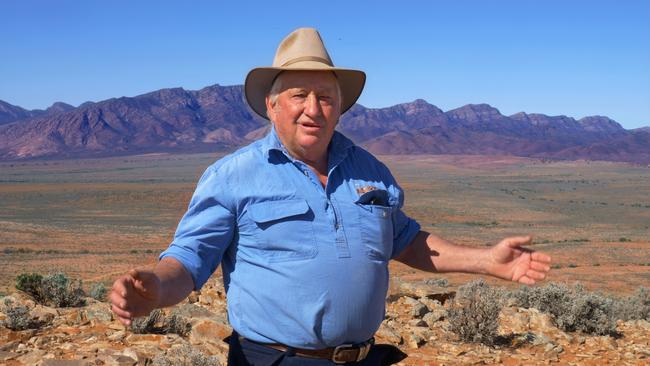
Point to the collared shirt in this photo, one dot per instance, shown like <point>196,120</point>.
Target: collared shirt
<point>303,265</point>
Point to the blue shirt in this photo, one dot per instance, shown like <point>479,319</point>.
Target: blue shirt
<point>303,265</point>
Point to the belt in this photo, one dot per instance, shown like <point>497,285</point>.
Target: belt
<point>340,354</point>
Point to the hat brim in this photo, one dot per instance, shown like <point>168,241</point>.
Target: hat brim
<point>258,84</point>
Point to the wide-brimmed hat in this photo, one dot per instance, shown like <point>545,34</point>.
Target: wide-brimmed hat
<point>303,49</point>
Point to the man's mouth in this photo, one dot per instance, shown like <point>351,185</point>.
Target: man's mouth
<point>310,125</point>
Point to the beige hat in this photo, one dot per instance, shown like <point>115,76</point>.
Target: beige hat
<point>303,49</point>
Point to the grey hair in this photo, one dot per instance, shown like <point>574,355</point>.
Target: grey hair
<point>276,87</point>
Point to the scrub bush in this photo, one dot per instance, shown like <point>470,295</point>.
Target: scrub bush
<point>572,308</point>
<point>151,324</point>
<point>157,323</point>
<point>474,313</point>
<point>60,291</point>
<point>53,290</point>
<point>178,325</point>
<point>31,284</point>
<point>185,355</point>
<point>635,307</point>
<point>98,291</point>
<point>18,317</point>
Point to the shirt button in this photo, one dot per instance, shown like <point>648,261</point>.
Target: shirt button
<point>384,214</point>
<point>306,173</point>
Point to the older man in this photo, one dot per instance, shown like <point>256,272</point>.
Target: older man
<point>304,223</point>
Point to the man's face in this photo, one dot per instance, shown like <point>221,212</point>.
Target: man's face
<point>306,112</point>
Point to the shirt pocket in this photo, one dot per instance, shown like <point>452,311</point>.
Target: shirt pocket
<point>376,224</point>
<point>284,229</point>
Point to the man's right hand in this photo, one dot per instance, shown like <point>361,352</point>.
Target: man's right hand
<point>135,294</point>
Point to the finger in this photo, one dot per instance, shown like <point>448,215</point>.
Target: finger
<point>140,280</point>
<point>121,313</point>
<point>117,300</point>
<point>123,286</point>
<point>526,280</point>
<point>125,321</point>
<point>535,275</point>
<point>539,266</point>
<point>541,257</point>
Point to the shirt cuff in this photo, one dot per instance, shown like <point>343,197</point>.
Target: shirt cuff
<point>190,261</point>
<point>406,237</point>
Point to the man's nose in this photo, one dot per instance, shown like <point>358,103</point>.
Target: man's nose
<point>312,107</point>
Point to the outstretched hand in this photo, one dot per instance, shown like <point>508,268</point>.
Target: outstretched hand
<point>135,294</point>
<point>509,261</point>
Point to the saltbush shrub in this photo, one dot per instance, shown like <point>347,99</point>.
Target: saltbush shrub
<point>572,308</point>
<point>31,284</point>
<point>184,355</point>
<point>98,291</point>
<point>157,323</point>
<point>150,324</point>
<point>177,324</point>
<point>18,317</point>
<point>635,307</point>
<point>60,291</point>
<point>53,290</point>
<point>474,313</point>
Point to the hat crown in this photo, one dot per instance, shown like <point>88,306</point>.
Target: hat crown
<point>303,44</point>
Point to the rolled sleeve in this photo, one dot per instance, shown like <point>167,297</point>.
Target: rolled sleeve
<point>205,231</point>
<point>405,229</point>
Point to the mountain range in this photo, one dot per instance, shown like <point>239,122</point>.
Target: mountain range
<point>216,118</point>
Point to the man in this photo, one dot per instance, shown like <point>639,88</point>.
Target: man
<point>304,223</point>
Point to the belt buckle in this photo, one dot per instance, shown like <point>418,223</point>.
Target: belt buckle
<point>362,350</point>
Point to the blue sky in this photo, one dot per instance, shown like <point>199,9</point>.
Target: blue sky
<point>575,58</point>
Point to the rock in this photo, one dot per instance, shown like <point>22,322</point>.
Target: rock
<point>145,339</point>
<point>208,330</point>
<point>549,347</point>
<point>205,299</point>
<point>417,323</point>
<point>193,297</point>
<point>43,315</point>
<point>99,311</point>
<point>33,357</point>
<point>414,341</point>
<point>540,339</point>
<point>122,360</point>
<point>117,336</point>
<point>418,309</point>
<point>52,362</point>
<point>434,316</point>
<point>192,312</point>
<point>6,356</point>
<point>389,334</point>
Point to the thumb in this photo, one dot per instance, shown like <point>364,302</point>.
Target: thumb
<point>141,279</point>
<point>517,241</point>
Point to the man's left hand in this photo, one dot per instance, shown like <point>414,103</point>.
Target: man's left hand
<point>508,260</point>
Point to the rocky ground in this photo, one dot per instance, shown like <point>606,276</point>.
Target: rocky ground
<point>415,322</point>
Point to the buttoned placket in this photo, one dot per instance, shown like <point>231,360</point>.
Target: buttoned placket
<point>332,209</point>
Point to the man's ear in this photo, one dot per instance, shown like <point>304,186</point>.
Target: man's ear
<point>270,112</point>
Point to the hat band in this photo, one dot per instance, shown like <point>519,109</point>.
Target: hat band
<point>307,58</point>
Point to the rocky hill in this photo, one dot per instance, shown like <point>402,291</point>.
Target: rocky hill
<point>417,322</point>
<point>217,118</point>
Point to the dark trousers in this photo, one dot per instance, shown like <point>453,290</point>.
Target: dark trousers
<point>247,353</point>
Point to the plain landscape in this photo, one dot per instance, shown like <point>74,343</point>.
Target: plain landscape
<point>93,219</point>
